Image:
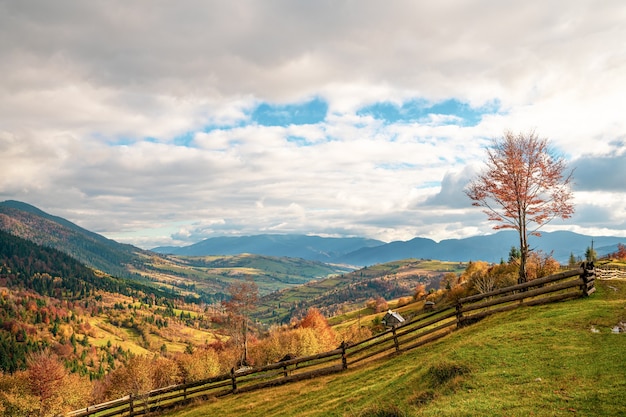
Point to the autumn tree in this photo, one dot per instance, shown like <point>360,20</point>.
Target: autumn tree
<point>448,280</point>
<point>620,253</point>
<point>524,186</point>
<point>420,292</point>
<point>315,320</point>
<point>541,264</point>
<point>135,377</point>
<point>201,364</point>
<point>478,277</point>
<point>242,302</point>
<point>56,389</point>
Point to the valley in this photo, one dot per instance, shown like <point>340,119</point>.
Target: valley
<point>99,309</point>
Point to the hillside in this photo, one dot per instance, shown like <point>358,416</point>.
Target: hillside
<point>200,280</point>
<point>90,248</point>
<point>50,272</point>
<point>555,360</point>
<point>351,290</point>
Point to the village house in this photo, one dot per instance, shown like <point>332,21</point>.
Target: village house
<point>392,319</point>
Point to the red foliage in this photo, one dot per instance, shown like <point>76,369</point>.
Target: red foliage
<point>523,187</point>
<point>621,252</point>
<point>314,320</point>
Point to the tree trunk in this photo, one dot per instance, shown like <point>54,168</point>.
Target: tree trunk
<point>244,359</point>
<point>523,255</point>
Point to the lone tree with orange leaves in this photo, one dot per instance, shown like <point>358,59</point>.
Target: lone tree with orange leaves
<point>243,298</point>
<point>524,186</point>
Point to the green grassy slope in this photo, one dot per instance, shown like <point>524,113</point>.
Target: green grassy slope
<point>541,361</point>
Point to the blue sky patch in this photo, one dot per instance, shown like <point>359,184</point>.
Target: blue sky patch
<point>420,111</point>
<point>310,112</point>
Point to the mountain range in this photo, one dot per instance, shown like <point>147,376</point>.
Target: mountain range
<point>31,223</point>
<point>365,252</point>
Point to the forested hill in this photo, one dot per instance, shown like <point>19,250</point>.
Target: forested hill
<point>92,249</point>
<point>50,272</point>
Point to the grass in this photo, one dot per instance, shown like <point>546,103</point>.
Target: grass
<point>540,361</point>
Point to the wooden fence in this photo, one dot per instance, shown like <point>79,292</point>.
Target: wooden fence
<point>409,335</point>
<point>610,273</point>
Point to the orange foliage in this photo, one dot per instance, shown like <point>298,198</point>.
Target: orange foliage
<point>541,265</point>
<point>354,334</point>
<point>325,334</point>
<point>311,335</point>
<point>523,187</point>
<point>45,375</point>
<point>56,390</point>
<point>377,304</point>
<point>420,292</point>
<point>621,252</point>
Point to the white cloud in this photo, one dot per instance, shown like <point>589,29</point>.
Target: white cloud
<point>134,120</point>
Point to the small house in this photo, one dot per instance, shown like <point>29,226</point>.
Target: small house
<point>429,305</point>
<point>392,319</point>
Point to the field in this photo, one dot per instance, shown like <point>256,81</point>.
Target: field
<point>554,360</point>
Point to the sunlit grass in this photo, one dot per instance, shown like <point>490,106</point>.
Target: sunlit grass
<point>541,361</point>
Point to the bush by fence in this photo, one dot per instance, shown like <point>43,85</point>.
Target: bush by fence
<point>420,330</point>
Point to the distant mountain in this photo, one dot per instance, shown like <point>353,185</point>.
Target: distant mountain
<point>315,248</point>
<point>118,259</point>
<point>365,252</point>
<point>490,248</point>
<point>92,249</point>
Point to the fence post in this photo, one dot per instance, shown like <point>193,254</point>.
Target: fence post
<point>588,271</point>
<point>233,379</point>
<point>344,360</point>
<point>395,338</point>
<point>459,314</point>
<point>130,405</point>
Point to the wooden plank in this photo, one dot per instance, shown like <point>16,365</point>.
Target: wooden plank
<point>93,409</point>
<point>450,314</point>
<point>409,323</point>
<point>294,361</point>
<point>518,287</point>
<point>369,355</point>
<point>427,340</point>
<point>368,347</point>
<point>429,331</point>
<point>520,296</point>
<point>293,378</point>
<point>540,301</point>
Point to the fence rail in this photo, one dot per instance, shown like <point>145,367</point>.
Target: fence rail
<point>610,273</point>
<point>420,330</point>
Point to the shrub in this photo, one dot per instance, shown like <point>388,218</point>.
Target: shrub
<point>444,373</point>
<point>423,398</point>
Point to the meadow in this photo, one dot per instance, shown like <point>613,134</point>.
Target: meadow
<point>551,360</point>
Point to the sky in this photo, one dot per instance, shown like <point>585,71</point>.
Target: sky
<point>168,122</point>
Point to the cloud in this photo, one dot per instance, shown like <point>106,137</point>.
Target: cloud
<point>452,192</point>
<point>173,122</point>
<point>601,173</point>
